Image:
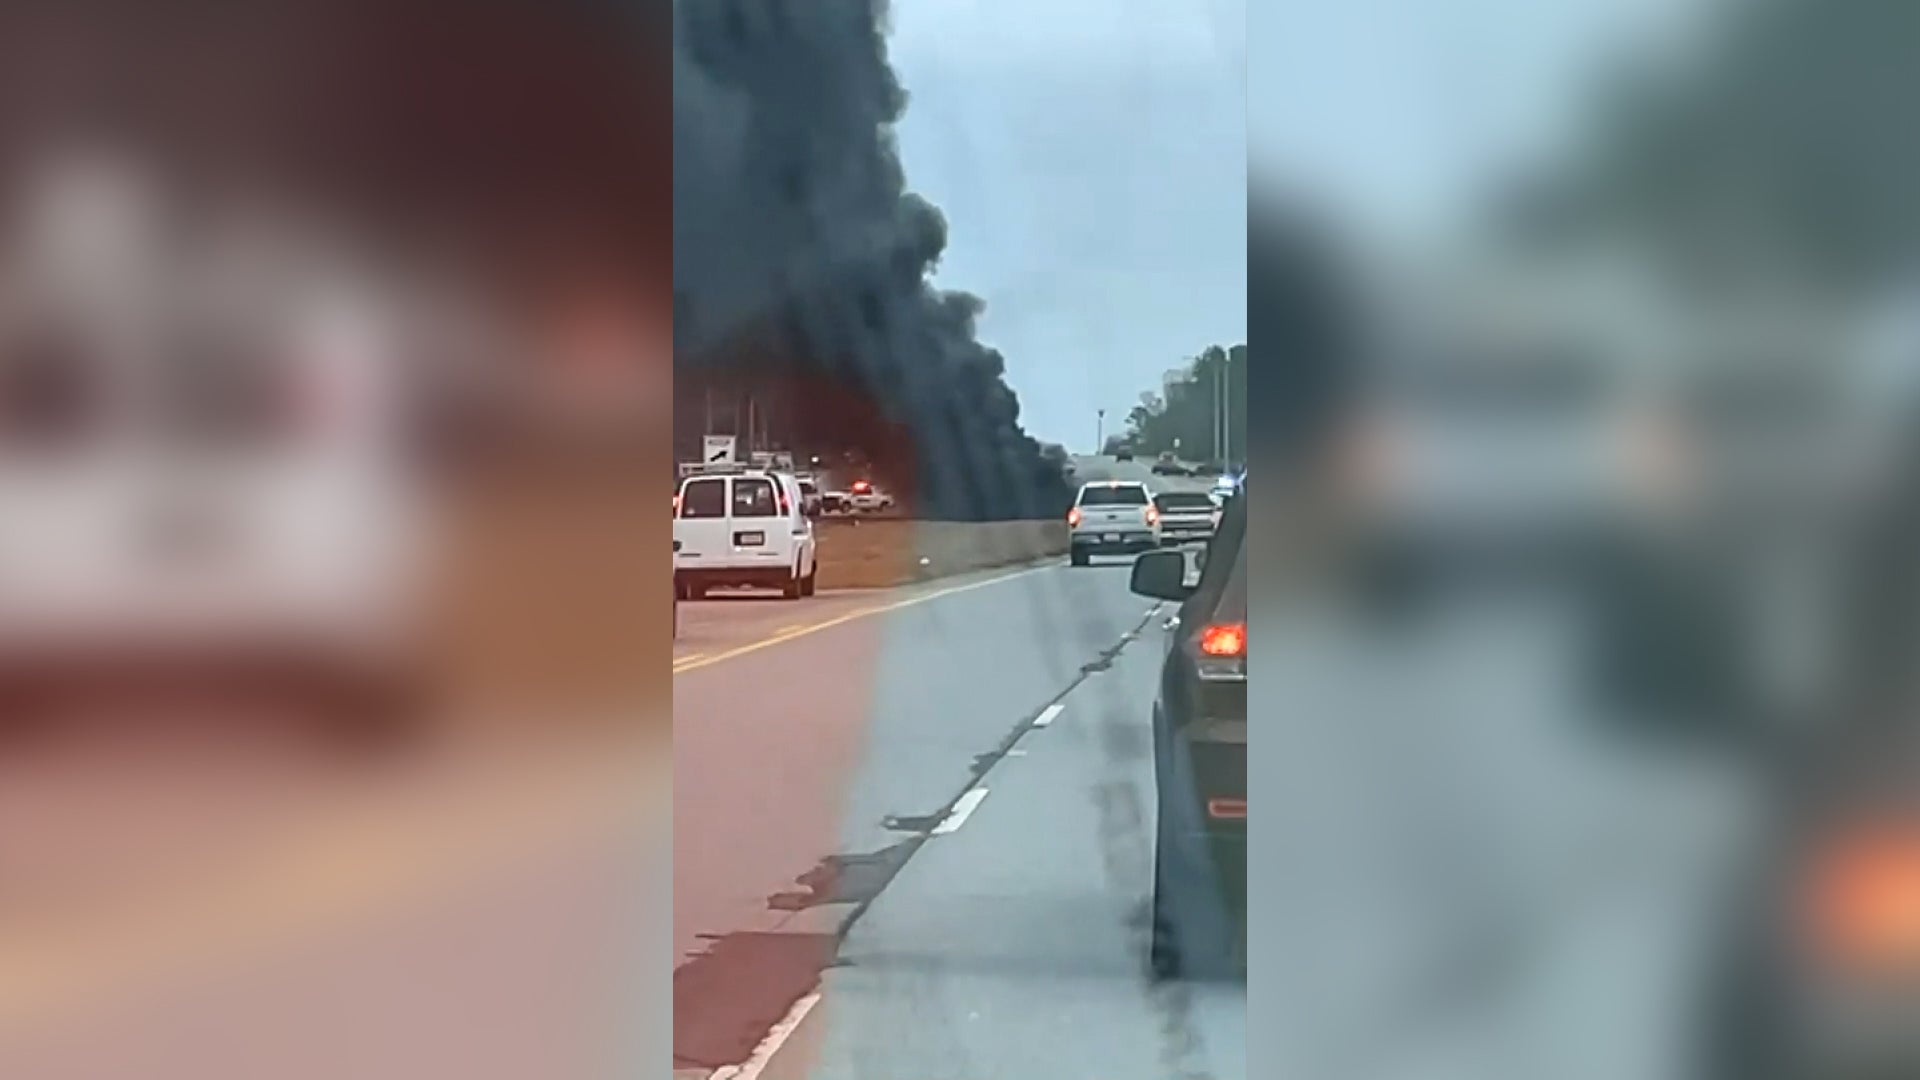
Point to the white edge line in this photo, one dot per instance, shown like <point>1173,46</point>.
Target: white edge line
<point>1049,714</point>
<point>962,810</point>
<point>776,1038</point>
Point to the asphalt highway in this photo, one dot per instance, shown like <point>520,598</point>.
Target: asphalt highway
<point>913,829</point>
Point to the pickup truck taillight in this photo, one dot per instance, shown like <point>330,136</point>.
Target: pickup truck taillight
<point>1073,518</point>
<point>1153,515</point>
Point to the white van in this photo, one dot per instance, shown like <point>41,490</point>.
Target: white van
<point>742,527</point>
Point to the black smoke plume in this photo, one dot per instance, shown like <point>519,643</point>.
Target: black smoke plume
<point>801,262</point>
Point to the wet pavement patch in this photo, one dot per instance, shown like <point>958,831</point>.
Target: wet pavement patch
<point>845,879</point>
<point>1104,662</point>
<point>726,1000</point>
<point>917,823</point>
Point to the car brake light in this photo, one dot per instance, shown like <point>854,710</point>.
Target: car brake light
<point>1153,516</point>
<point>1073,517</point>
<point>1862,902</point>
<point>1224,639</point>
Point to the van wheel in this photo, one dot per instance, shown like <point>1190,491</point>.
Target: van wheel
<point>810,584</point>
<point>793,589</point>
<point>1078,556</point>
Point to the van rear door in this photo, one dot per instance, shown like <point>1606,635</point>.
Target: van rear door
<point>701,523</point>
<point>760,526</point>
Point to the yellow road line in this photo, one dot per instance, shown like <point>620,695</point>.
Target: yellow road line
<point>692,663</point>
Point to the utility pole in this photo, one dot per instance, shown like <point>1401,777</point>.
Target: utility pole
<point>1100,431</point>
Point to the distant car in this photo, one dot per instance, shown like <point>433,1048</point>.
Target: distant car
<point>1200,757</point>
<point>742,527</point>
<point>836,502</point>
<point>867,499</point>
<point>1170,468</point>
<point>1123,455</point>
<point>1112,517</point>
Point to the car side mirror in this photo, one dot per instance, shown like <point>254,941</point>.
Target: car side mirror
<point>1161,575</point>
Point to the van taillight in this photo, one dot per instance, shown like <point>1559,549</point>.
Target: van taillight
<point>1224,639</point>
<point>1073,517</point>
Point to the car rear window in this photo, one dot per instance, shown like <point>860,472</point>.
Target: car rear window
<point>704,499</point>
<point>1123,495</point>
<point>1183,500</point>
<point>754,498</point>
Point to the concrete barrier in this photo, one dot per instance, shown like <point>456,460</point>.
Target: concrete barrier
<point>880,552</point>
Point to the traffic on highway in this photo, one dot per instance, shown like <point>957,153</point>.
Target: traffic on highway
<point>1063,839</point>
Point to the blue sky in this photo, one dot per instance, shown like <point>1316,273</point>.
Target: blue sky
<point>1091,155</point>
<point>1091,161</point>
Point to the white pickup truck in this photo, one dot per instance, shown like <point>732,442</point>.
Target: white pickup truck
<point>1112,517</point>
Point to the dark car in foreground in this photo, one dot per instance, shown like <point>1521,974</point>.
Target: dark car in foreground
<point>1200,756</point>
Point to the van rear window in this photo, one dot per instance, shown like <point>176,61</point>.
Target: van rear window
<point>754,498</point>
<point>704,499</point>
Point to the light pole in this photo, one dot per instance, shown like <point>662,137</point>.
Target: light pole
<point>1219,412</point>
<point>1100,431</point>
<point>1226,406</point>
